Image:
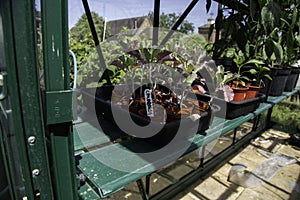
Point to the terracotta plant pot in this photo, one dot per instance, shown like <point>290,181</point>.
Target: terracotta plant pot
<point>239,94</point>
<point>252,91</point>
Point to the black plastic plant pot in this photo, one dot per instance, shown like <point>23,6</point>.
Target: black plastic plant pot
<point>267,83</point>
<point>103,109</point>
<point>203,97</point>
<point>279,81</point>
<point>227,63</point>
<point>237,109</point>
<point>245,71</point>
<point>292,79</point>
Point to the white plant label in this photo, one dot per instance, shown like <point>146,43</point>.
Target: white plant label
<point>149,103</point>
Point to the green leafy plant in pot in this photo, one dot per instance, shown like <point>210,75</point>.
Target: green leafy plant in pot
<point>259,71</point>
<point>223,90</point>
<point>290,42</point>
<point>239,79</point>
<point>233,83</point>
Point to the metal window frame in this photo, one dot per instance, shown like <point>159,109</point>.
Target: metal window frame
<point>57,81</point>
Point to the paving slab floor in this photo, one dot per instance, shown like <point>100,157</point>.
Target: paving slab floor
<point>285,184</point>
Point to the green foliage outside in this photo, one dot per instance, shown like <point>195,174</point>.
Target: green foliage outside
<point>90,69</point>
<point>81,40</point>
<point>134,63</point>
<point>286,116</point>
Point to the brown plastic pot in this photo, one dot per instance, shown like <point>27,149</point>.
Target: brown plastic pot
<point>239,94</point>
<point>252,91</point>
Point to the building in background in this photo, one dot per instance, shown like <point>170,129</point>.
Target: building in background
<point>136,23</point>
<point>205,29</point>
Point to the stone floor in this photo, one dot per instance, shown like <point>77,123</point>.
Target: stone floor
<point>285,184</point>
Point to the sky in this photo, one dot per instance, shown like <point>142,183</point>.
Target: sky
<point>120,9</point>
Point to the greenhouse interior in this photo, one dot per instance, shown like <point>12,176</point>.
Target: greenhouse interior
<point>152,99</point>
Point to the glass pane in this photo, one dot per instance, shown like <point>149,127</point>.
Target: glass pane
<point>1,46</point>
<point>7,131</point>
